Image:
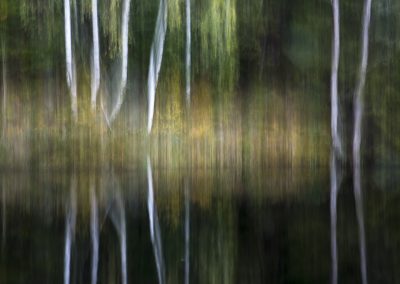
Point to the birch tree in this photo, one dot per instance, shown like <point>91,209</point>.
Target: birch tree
<point>156,54</point>
<point>124,62</point>
<point>336,141</point>
<point>188,51</point>
<point>358,114</point>
<point>96,56</point>
<point>69,60</point>
<point>358,95</point>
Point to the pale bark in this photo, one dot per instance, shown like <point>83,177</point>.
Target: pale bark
<point>358,114</point>
<point>156,54</point>
<point>124,62</point>
<point>69,60</point>
<point>337,143</point>
<point>96,56</point>
<point>358,96</point>
<point>188,51</point>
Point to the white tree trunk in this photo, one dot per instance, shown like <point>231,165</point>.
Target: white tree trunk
<point>358,96</point>
<point>188,52</point>
<point>124,63</point>
<point>70,65</point>
<point>96,56</point>
<point>358,114</point>
<point>155,233</point>
<point>156,54</point>
<point>337,143</point>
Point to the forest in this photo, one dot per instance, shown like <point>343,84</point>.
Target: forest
<point>228,82</point>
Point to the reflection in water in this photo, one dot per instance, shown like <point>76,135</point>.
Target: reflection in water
<point>94,230</point>
<point>156,54</point>
<point>215,230</point>
<point>118,219</point>
<point>3,216</point>
<point>360,222</point>
<point>335,184</point>
<point>70,229</point>
<point>187,232</point>
<point>155,233</point>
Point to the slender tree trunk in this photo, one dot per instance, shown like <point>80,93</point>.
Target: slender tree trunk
<point>96,56</point>
<point>154,226</point>
<point>358,114</point>
<point>337,143</point>
<point>70,65</point>
<point>358,96</point>
<point>124,63</point>
<point>156,54</point>
<point>188,52</point>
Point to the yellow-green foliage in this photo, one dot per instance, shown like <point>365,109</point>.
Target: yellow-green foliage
<point>170,105</point>
<point>110,17</point>
<point>218,39</point>
<point>174,14</point>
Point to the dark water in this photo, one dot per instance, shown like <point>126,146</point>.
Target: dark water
<point>208,227</point>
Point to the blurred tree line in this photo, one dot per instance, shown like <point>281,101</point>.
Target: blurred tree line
<point>263,65</point>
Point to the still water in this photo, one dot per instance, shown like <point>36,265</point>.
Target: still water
<point>173,226</point>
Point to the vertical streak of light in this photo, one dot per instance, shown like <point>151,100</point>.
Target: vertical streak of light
<point>70,230</point>
<point>94,230</point>
<point>337,143</point>
<point>188,51</point>
<point>333,215</point>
